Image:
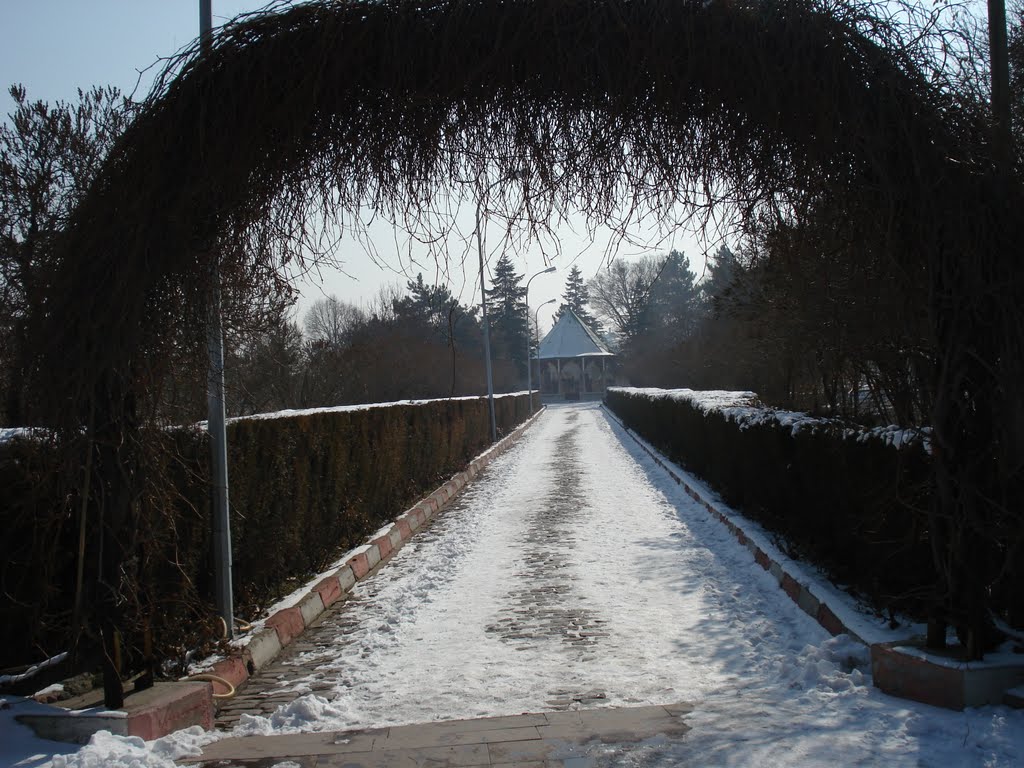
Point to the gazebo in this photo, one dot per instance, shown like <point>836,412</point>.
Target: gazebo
<point>574,363</point>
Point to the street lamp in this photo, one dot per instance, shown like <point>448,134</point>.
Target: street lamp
<point>529,363</point>
<point>215,425</point>
<point>487,327</point>
<point>483,301</point>
<point>536,324</point>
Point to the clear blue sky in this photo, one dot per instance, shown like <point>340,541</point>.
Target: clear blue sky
<point>54,47</point>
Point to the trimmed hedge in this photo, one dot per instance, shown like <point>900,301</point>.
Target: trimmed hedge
<point>304,487</point>
<point>848,500</point>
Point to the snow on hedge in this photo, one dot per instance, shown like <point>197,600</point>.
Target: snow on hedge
<point>745,409</point>
<point>20,433</point>
<point>30,433</point>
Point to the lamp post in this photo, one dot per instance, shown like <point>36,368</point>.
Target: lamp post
<point>529,362</point>
<point>221,525</point>
<point>536,324</point>
<point>487,327</point>
<point>483,301</point>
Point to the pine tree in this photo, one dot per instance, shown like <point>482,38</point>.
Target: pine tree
<point>434,306</point>
<point>674,299</point>
<point>506,309</point>
<point>576,298</point>
<point>721,271</point>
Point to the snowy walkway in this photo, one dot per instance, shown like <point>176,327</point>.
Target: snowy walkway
<point>574,573</point>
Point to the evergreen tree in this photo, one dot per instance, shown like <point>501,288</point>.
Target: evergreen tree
<point>675,299</point>
<point>506,309</point>
<point>576,297</point>
<point>441,314</point>
<point>721,272</point>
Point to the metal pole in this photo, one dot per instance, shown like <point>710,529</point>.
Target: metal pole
<point>529,362</point>
<point>536,324</point>
<point>1000,72</point>
<point>487,329</point>
<point>223,593</point>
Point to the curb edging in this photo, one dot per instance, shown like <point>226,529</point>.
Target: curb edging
<point>283,626</point>
<point>792,586</point>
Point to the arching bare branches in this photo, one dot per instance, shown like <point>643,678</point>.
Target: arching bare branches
<point>614,108</point>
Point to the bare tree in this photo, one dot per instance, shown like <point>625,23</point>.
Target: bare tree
<point>331,321</point>
<point>621,295</point>
<point>48,157</point>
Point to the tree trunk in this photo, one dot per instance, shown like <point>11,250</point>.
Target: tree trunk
<point>113,493</point>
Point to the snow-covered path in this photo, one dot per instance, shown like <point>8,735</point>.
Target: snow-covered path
<point>574,572</point>
<point>562,571</point>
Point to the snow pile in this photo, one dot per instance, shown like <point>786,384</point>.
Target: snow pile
<point>304,715</point>
<point>839,664</point>
<point>20,748</point>
<point>109,751</point>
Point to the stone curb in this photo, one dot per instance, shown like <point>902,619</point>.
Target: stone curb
<point>798,592</point>
<point>283,626</point>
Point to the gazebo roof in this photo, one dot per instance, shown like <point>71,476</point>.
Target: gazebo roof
<point>571,338</point>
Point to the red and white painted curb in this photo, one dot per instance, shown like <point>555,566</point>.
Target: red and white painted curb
<point>282,627</point>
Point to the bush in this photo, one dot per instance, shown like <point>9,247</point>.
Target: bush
<point>304,487</point>
<point>849,500</point>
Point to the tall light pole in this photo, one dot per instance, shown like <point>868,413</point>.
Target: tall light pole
<point>529,340</point>
<point>483,300</point>
<point>487,327</point>
<point>215,426</point>
<point>999,66</point>
<point>536,324</point>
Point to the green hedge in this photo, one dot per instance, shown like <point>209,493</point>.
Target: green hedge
<point>848,500</point>
<point>304,487</point>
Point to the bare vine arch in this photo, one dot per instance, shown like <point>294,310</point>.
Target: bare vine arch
<point>602,105</point>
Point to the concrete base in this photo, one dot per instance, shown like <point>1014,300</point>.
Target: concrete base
<point>908,671</point>
<point>74,727</point>
<point>539,739</point>
<point>149,714</point>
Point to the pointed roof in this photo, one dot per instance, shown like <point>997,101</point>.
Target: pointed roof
<point>571,337</point>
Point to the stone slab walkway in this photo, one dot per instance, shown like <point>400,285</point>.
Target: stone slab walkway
<point>545,739</point>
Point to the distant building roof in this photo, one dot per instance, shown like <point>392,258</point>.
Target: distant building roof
<point>571,338</point>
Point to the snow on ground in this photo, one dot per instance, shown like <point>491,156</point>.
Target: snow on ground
<point>574,568</point>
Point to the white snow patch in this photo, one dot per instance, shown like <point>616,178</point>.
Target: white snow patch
<point>20,433</point>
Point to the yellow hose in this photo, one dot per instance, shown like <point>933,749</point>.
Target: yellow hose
<point>215,679</point>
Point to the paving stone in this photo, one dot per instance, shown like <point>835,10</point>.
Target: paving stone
<point>415,736</point>
<point>484,723</point>
<point>253,747</point>
<point>547,739</point>
<point>435,757</point>
<point>520,751</point>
